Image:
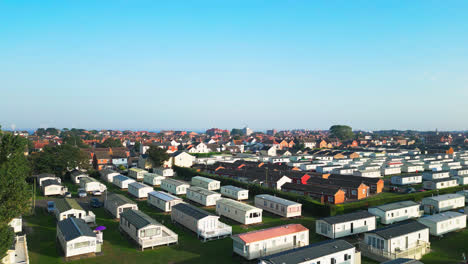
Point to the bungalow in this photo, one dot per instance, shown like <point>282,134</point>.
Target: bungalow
<point>202,196</point>
<point>166,172</point>
<point>76,175</point>
<point>435,175</point>
<point>234,192</point>
<point>204,224</point>
<point>66,208</point>
<point>277,205</point>
<point>153,179</point>
<point>90,184</point>
<point>206,183</point>
<point>333,195</point>
<point>108,175</point>
<point>396,212</point>
<point>117,204</point>
<point>440,184</point>
<point>180,159</point>
<point>406,179</point>
<point>163,200</point>
<point>146,231</point>
<point>329,251</point>
<point>346,224</point>
<point>53,187</point>
<point>47,176</point>
<point>137,173</point>
<point>440,224</point>
<point>139,190</point>
<point>445,202</point>
<point>407,239</point>
<point>237,211</point>
<point>122,181</point>
<point>76,238</point>
<point>265,242</point>
<point>174,186</point>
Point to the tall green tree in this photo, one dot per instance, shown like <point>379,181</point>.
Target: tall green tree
<point>59,159</point>
<point>112,143</point>
<point>341,132</point>
<point>14,191</point>
<point>157,156</point>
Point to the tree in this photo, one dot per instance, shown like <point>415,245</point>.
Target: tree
<point>341,132</point>
<point>14,191</point>
<point>111,143</point>
<point>59,160</point>
<point>237,131</point>
<point>157,156</point>
<point>136,147</point>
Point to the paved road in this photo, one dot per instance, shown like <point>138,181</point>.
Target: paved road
<point>84,202</point>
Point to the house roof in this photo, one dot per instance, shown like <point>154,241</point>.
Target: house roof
<point>139,185</point>
<point>310,252</point>
<point>234,188</point>
<point>444,197</point>
<point>202,191</point>
<point>397,205</point>
<point>45,175</point>
<point>119,199</point>
<point>67,204</point>
<point>237,205</point>
<point>175,182</point>
<point>399,229</point>
<point>277,199</point>
<point>72,228</point>
<point>138,218</point>
<point>191,210</point>
<point>347,217</point>
<point>264,234</point>
<point>50,182</point>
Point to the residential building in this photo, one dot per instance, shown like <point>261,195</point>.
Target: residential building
<point>277,205</point>
<point>346,224</point>
<point>117,204</point>
<point>163,200</point>
<point>396,212</point>
<point>234,192</point>
<point>443,223</point>
<point>237,211</point>
<point>174,186</point>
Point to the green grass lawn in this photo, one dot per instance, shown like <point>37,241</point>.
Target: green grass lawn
<point>118,249</point>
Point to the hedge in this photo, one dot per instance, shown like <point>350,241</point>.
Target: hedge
<point>308,204</point>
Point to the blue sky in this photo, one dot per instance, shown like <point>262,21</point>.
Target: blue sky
<point>200,64</point>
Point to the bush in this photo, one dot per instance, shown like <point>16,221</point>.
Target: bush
<point>308,204</point>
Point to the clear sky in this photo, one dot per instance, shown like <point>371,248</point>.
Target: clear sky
<point>200,64</point>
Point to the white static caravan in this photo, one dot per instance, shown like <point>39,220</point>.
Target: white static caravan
<point>396,212</point>
<point>435,175</point>
<point>108,175</point>
<point>139,190</point>
<point>206,183</point>
<point>204,224</point>
<point>440,184</point>
<point>443,223</point>
<point>66,208</point>
<point>90,185</point>
<point>46,176</point>
<point>163,200</point>
<point>346,224</point>
<point>409,239</point>
<point>445,202</point>
<point>117,204</point>
<point>166,172</point>
<point>76,238</point>
<point>406,179</point>
<point>461,180</point>
<point>122,181</point>
<point>265,242</point>
<point>237,211</point>
<point>174,186</point>
<point>390,170</point>
<point>368,173</point>
<point>464,193</point>
<point>234,192</point>
<point>137,173</point>
<point>202,196</point>
<point>330,251</point>
<point>76,175</point>
<point>53,187</point>
<point>460,172</point>
<point>153,179</point>
<point>410,168</point>
<point>146,231</point>
<point>278,206</point>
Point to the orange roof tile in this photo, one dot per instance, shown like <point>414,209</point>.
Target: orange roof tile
<point>268,233</point>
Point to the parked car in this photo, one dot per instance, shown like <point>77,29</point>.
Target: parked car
<point>67,195</point>
<point>82,193</point>
<point>394,189</point>
<point>422,190</point>
<point>50,206</point>
<point>97,193</point>
<point>410,190</point>
<point>95,203</point>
